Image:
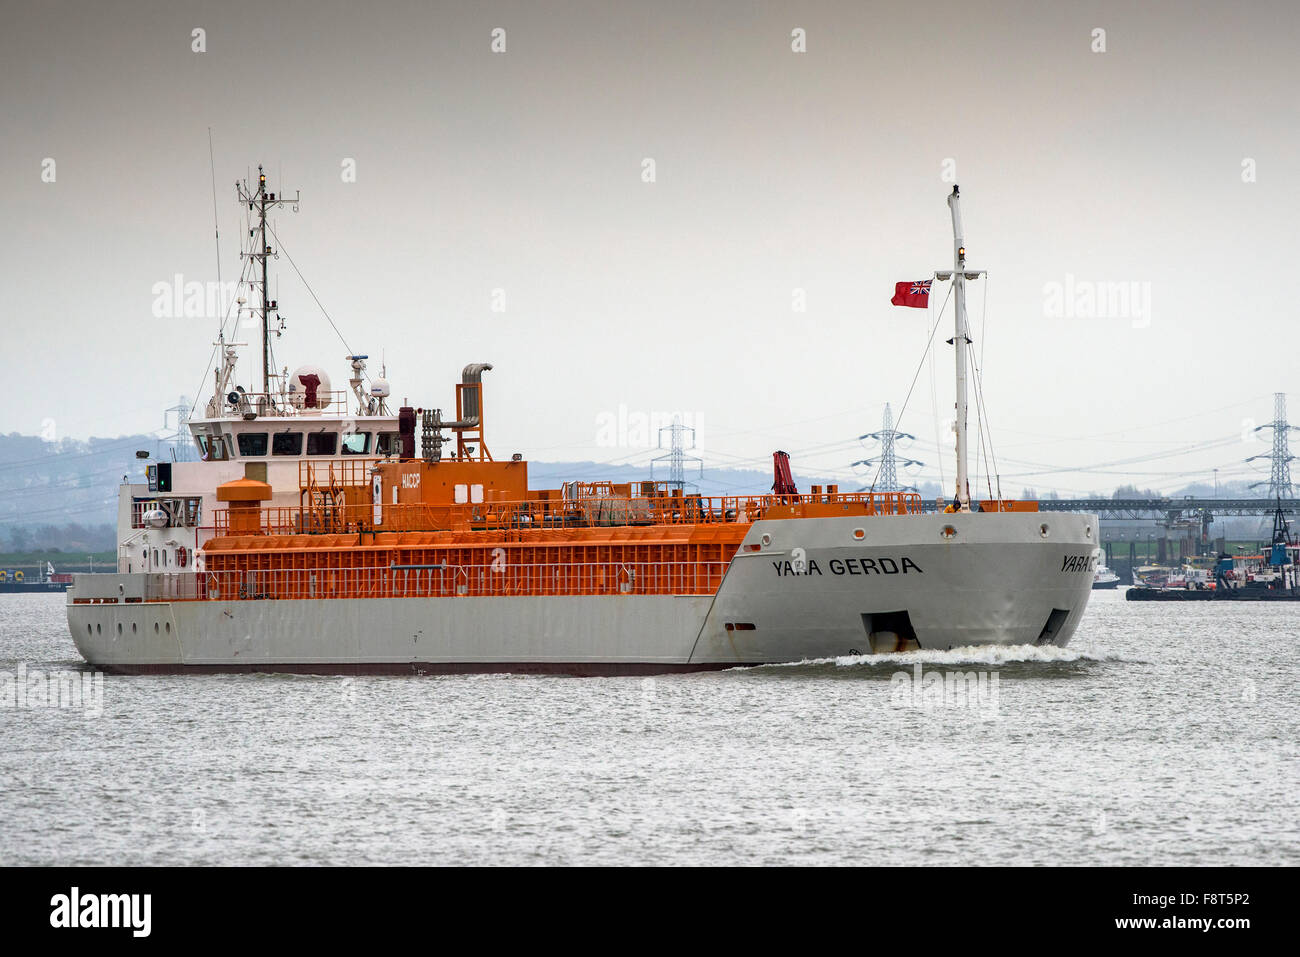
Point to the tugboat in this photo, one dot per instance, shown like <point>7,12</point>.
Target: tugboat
<point>314,540</point>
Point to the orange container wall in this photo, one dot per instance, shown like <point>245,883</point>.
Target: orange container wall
<point>1008,505</point>
<point>422,483</point>
<point>645,561</point>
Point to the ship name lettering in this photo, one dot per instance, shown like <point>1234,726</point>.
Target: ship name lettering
<point>810,567</point>
<point>873,566</point>
<point>1078,563</point>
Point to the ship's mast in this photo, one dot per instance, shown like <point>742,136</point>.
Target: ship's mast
<point>264,251</point>
<point>960,340</point>
<point>259,201</point>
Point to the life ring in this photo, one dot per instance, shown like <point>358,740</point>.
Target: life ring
<point>18,576</point>
<point>182,556</point>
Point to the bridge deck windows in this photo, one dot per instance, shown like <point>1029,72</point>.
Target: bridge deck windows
<point>356,443</point>
<point>286,443</point>
<point>322,443</point>
<point>252,444</point>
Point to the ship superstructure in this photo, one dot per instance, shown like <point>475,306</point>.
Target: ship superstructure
<point>267,431</point>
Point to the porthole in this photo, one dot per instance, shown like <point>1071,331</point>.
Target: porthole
<point>766,539</point>
<point>1043,530</point>
<point>948,532</point>
<point>859,534</point>
<point>1087,531</point>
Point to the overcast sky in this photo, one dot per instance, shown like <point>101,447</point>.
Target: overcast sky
<point>779,177</point>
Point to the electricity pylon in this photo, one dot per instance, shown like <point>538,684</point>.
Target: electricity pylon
<point>889,462</point>
<point>1279,479</point>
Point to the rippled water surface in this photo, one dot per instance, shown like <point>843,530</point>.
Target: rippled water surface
<point>1164,734</point>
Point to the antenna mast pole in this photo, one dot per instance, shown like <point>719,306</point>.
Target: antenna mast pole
<point>960,341</point>
<point>216,227</point>
<point>259,202</point>
<point>264,252</point>
<point>265,288</point>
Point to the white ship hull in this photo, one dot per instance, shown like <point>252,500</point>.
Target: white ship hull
<point>797,589</point>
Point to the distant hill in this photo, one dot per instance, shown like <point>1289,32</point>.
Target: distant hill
<point>63,494</point>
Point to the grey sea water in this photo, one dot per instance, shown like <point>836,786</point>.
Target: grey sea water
<point>1165,734</point>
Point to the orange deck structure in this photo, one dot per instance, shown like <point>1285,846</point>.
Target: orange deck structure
<point>467,525</point>
<point>404,528</point>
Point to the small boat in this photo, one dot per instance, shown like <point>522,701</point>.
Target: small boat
<point>1104,577</point>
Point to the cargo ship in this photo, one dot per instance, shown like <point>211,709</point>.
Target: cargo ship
<point>17,581</point>
<point>326,533</point>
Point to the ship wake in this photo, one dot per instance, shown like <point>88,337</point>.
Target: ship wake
<point>987,655</point>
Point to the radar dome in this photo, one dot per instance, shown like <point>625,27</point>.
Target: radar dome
<point>379,388</point>
<point>309,388</point>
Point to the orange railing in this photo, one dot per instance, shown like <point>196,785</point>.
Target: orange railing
<point>336,473</point>
<point>587,512</point>
<point>434,581</point>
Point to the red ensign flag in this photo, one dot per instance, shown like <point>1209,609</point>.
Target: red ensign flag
<point>914,294</point>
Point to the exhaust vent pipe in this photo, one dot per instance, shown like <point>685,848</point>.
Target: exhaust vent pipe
<point>471,406</point>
